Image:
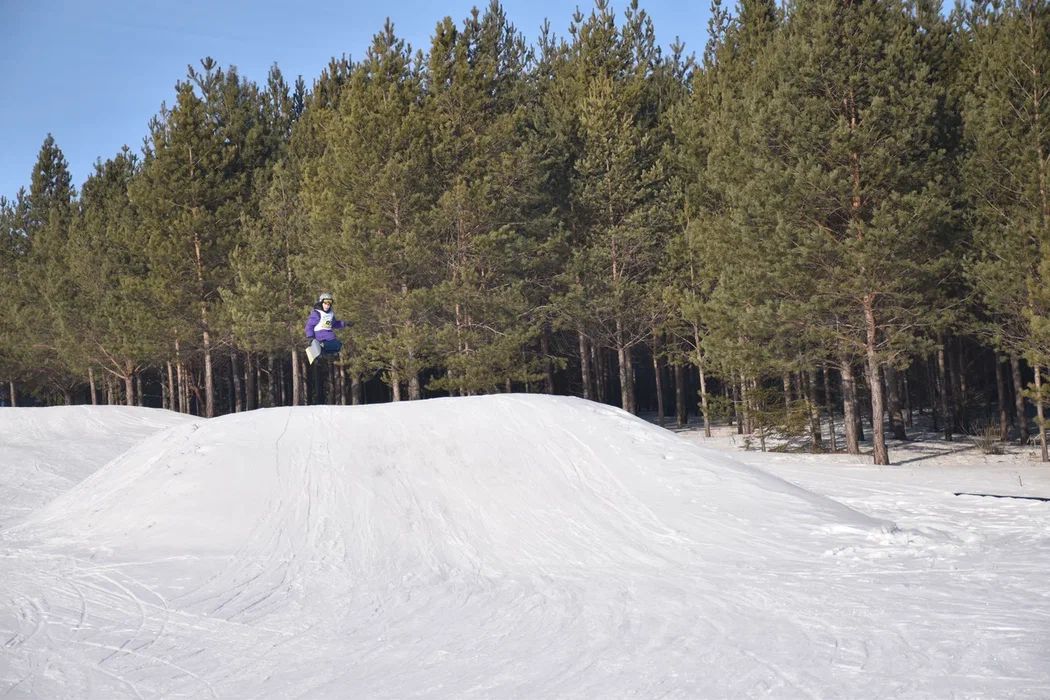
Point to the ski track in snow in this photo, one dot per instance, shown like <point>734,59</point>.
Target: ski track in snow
<point>510,546</point>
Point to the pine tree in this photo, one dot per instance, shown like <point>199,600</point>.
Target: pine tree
<point>15,359</point>
<point>618,218</point>
<point>117,325</point>
<point>1007,173</point>
<point>369,195</point>
<point>863,177</point>
<point>267,289</point>
<point>45,285</point>
<point>264,294</point>
<point>488,216</point>
<point>725,249</point>
<point>195,185</point>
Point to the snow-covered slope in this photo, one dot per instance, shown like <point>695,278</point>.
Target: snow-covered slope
<point>505,546</point>
<point>45,451</point>
<point>494,484</point>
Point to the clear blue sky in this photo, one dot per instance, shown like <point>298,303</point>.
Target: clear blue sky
<point>93,72</point>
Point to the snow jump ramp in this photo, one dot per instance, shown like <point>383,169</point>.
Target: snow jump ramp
<point>506,546</point>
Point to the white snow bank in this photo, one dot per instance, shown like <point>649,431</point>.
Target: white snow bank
<point>45,451</point>
<point>504,546</point>
<point>495,484</point>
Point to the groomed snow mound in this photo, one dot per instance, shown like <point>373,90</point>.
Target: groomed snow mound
<point>501,547</point>
<point>491,484</point>
<point>45,451</point>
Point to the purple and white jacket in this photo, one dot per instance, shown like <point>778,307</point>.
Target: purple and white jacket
<point>322,324</point>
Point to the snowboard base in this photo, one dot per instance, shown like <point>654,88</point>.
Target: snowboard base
<point>313,351</point>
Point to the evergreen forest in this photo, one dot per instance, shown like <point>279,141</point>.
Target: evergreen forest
<point>831,221</point>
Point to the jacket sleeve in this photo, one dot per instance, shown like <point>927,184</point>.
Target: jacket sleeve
<point>311,322</point>
<point>337,324</point>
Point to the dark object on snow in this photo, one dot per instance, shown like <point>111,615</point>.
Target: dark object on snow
<point>1000,495</point>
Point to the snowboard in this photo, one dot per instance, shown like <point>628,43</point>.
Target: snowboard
<point>313,351</point>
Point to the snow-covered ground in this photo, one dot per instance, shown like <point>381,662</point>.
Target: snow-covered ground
<point>505,546</point>
<point>44,452</point>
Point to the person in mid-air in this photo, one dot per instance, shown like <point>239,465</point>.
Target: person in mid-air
<point>321,327</point>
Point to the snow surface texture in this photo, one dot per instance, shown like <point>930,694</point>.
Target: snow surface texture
<point>506,546</point>
<point>46,451</point>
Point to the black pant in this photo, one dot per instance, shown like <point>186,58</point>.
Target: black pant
<point>330,347</point>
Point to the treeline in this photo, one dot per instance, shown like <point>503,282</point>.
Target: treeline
<point>839,213</point>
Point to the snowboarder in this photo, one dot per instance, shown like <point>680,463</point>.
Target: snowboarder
<point>321,327</point>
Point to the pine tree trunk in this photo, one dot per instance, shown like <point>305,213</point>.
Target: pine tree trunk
<point>209,374</point>
<point>788,398</point>
<point>312,383</point>
<point>1040,421</point>
<point>548,365</point>
<point>679,395</point>
<point>755,409</point>
<point>462,347</point>
<point>341,381</point>
<point>395,384</point>
<point>738,406</point>
<point>286,384</point>
<point>188,388</point>
<point>585,365</point>
<point>258,374</point>
<point>129,385</point>
<point>272,384</point>
<point>931,393</point>
<point>91,383</point>
<point>908,420</point>
<point>958,388</point>
<point>331,386</point>
<point>893,403</point>
<point>317,391</point>
<point>879,453</point>
<point>356,390</point>
<point>184,388</point>
<point>249,381</point>
<point>601,372</point>
<point>180,384</point>
<point>14,394</point>
<point>659,379</point>
<point>196,391</point>
<point>942,391</point>
<point>814,409</point>
<point>830,408</point>
<point>170,398</point>
<point>235,374</point>
<point>626,371</point>
<point>849,407</point>
<point>1000,387</point>
<point>863,407</point>
<point>622,370</point>
<point>704,407</point>
<point>140,395</point>
<point>745,404</point>
<point>297,398</point>
<point>1019,399</point>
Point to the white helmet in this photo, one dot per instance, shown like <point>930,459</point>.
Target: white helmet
<point>324,295</point>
